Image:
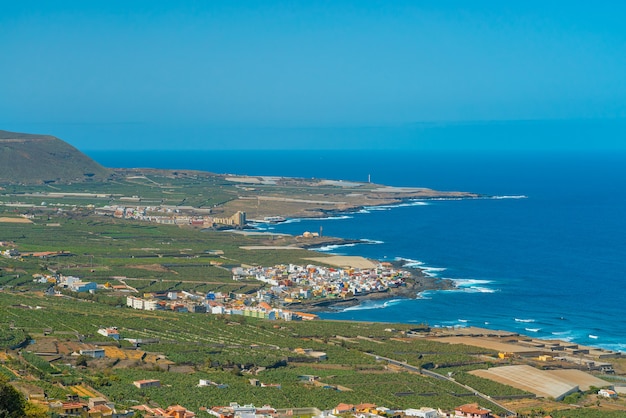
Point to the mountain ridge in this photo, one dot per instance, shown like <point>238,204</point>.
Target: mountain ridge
<point>35,159</point>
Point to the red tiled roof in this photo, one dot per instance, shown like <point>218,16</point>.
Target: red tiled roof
<point>344,407</point>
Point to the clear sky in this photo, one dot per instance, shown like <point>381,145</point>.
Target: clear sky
<point>282,74</point>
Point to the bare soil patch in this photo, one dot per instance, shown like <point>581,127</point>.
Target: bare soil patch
<point>149,267</point>
<point>342,261</point>
<point>15,220</point>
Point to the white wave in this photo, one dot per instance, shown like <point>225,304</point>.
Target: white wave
<point>376,208</point>
<point>524,320</point>
<point>473,285</point>
<point>399,205</point>
<point>533,329</point>
<point>331,218</point>
<point>480,290</point>
<point>371,241</point>
<point>429,271</point>
<point>561,332</point>
<point>412,203</point>
<point>462,320</point>
<point>594,337</point>
<point>521,196</point>
<point>290,221</point>
<point>432,271</point>
<point>363,211</point>
<point>615,347</point>
<point>373,305</point>
<point>334,247</point>
<point>407,262</point>
<point>470,282</point>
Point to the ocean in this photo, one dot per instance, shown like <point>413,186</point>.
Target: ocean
<point>543,254</point>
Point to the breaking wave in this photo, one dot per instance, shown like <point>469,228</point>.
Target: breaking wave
<point>521,196</point>
<point>367,305</point>
<point>333,247</point>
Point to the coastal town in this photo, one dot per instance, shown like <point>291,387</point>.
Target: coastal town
<point>286,290</point>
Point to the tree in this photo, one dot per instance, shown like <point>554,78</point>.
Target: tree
<point>34,411</point>
<point>82,360</point>
<point>12,403</point>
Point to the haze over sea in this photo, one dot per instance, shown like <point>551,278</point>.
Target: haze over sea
<point>546,256</point>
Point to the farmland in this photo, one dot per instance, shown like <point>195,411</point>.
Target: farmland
<point>131,257</point>
<point>232,352</point>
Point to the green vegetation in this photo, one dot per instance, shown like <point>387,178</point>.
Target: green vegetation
<point>11,338</point>
<point>12,403</point>
<point>34,159</point>
<point>225,351</point>
<point>130,257</point>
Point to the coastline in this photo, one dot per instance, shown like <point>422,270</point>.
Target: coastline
<point>418,282</point>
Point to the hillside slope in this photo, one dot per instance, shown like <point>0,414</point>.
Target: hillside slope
<point>36,159</point>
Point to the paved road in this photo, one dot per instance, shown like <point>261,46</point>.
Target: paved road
<point>441,377</point>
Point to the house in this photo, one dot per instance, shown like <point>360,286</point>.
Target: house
<point>306,316</point>
<point>92,352</point>
<point>174,411</point>
<point>607,393</point>
<point>265,307</point>
<point>343,408</point>
<point>141,384</point>
<point>81,286</point>
<point>67,408</point>
<point>308,378</point>
<point>110,332</point>
<point>365,408</point>
<point>205,382</point>
<point>177,411</point>
<point>471,410</point>
<point>101,408</point>
<point>423,412</point>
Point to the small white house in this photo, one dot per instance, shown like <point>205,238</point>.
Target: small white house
<point>423,412</point>
<point>110,332</point>
<point>218,310</point>
<point>607,393</point>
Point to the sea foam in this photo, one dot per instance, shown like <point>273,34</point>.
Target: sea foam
<point>373,305</point>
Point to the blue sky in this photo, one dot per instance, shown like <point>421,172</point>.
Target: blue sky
<point>209,74</point>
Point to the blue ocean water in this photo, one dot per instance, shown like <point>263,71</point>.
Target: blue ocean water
<point>545,255</point>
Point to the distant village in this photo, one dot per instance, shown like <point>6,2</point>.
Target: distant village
<point>173,215</point>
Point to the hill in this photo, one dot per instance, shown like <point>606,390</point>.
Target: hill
<point>36,159</point>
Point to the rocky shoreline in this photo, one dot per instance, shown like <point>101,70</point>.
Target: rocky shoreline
<point>418,282</point>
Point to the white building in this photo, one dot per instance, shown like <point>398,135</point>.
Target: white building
<point>423,412</point>
<point>607,393</point>
<point>110,332</point>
